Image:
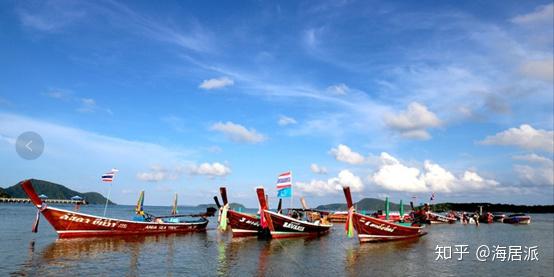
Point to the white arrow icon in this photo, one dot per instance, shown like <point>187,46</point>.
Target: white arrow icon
<point>27,145</point>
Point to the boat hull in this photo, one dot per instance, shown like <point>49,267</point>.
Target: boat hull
<point>242,224</point>
<point>338,217</point>
<point>69,224</point>
<point>288,227</point>
<point>372,229</point>
<point>518,220</point>
<point>434,218</point>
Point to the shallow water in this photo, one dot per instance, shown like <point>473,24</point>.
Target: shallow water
<point>217,254</point>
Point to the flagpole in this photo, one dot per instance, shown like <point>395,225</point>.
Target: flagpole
<point>108,199</point>
<point>291,191</point>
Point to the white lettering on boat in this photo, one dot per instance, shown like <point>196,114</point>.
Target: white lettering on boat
<point>104,223</point>
<point>73,218</point>
<point>382,227</point>
<point>251,222</point>
<point>98,221</point>
<point>293,226</point>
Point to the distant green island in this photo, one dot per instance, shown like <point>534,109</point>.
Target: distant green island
<point>232,206</point>
<point>489,207</point>
<point>53,191</point>
<point>371,204</point>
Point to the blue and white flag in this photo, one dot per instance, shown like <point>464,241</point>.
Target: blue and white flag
<point>284,185</point>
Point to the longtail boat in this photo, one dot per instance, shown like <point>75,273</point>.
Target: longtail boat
<point>70,224</point>
<point>242,224</point>
<point>517,219</point>
<point>284,226</point>
<point>338,217</point>
<point>371,229</point>
<point>498,217</point>
<point>434,218</point>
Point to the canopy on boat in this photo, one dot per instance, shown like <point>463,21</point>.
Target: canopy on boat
<point>174,209</point>
<point>76,198</point>
<point>43,196</point>
<point>140,203</point>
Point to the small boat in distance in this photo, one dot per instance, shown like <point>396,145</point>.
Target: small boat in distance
<point>517,219</point>
<point>242,224</point>
<point>285,226</point>
<point>371,229</point>
<point>338,217</point>
<point>70,224</point>
<point>498,217</point>
<point>486,218</point>
<point>435,218</point>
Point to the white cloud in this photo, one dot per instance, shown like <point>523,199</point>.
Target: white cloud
<point>542,69</point>
<point>343,153</point>
<point>437,178</point>
<point>538,171</point>
<point>543,14</point>
<point>413,122</point>
<point>339,89</point>
<point>533,158</point>
<point>215,149</point>
<point>50,16</point>
<point>212,170</point>
<point>238,133</point>
<point>525,137</point>
<point>317,169</point>
<point>332,185</point>
<point>393,175</point>
<point>87,105</point>
<point>471,179</point>
<point>216,83</point>
<point>155,174</point>
<point>347,178</point>
<point>285,120</point>
<point>58,94</point>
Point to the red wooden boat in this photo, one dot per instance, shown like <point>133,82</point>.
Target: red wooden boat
<point>434,218</point>
<point>284,226</point>
<point>69,224</point>
<point>371,229</point>
<point>242,224</point>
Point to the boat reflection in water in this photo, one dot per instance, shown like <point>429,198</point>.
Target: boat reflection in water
<point>361,256</point>
<point>64,255</point>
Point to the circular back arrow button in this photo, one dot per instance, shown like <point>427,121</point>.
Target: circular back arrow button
<point>29,145</point>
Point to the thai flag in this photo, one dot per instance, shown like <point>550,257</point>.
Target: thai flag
<point>108,176</point>
<point>284,180</point>
<point>284,185</point>
<point>432,197</point>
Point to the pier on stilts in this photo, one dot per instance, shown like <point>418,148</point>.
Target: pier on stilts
<point>56,201</point>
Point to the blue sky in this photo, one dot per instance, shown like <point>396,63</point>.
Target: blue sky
<point>392,98</point>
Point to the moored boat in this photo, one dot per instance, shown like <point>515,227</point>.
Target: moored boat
<point>435,218</point>
<point>517,219</point>
<point>69,224</point>
<point>338,217</point>
<point>371,229</point>
<point>285,226</point>
<point>486,217</point>
<point>498,217</point>
<point>242,224</point>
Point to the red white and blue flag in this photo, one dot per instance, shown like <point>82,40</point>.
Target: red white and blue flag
<point>108,176</point>
<point>284,185</point>
<point>432,197</point>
